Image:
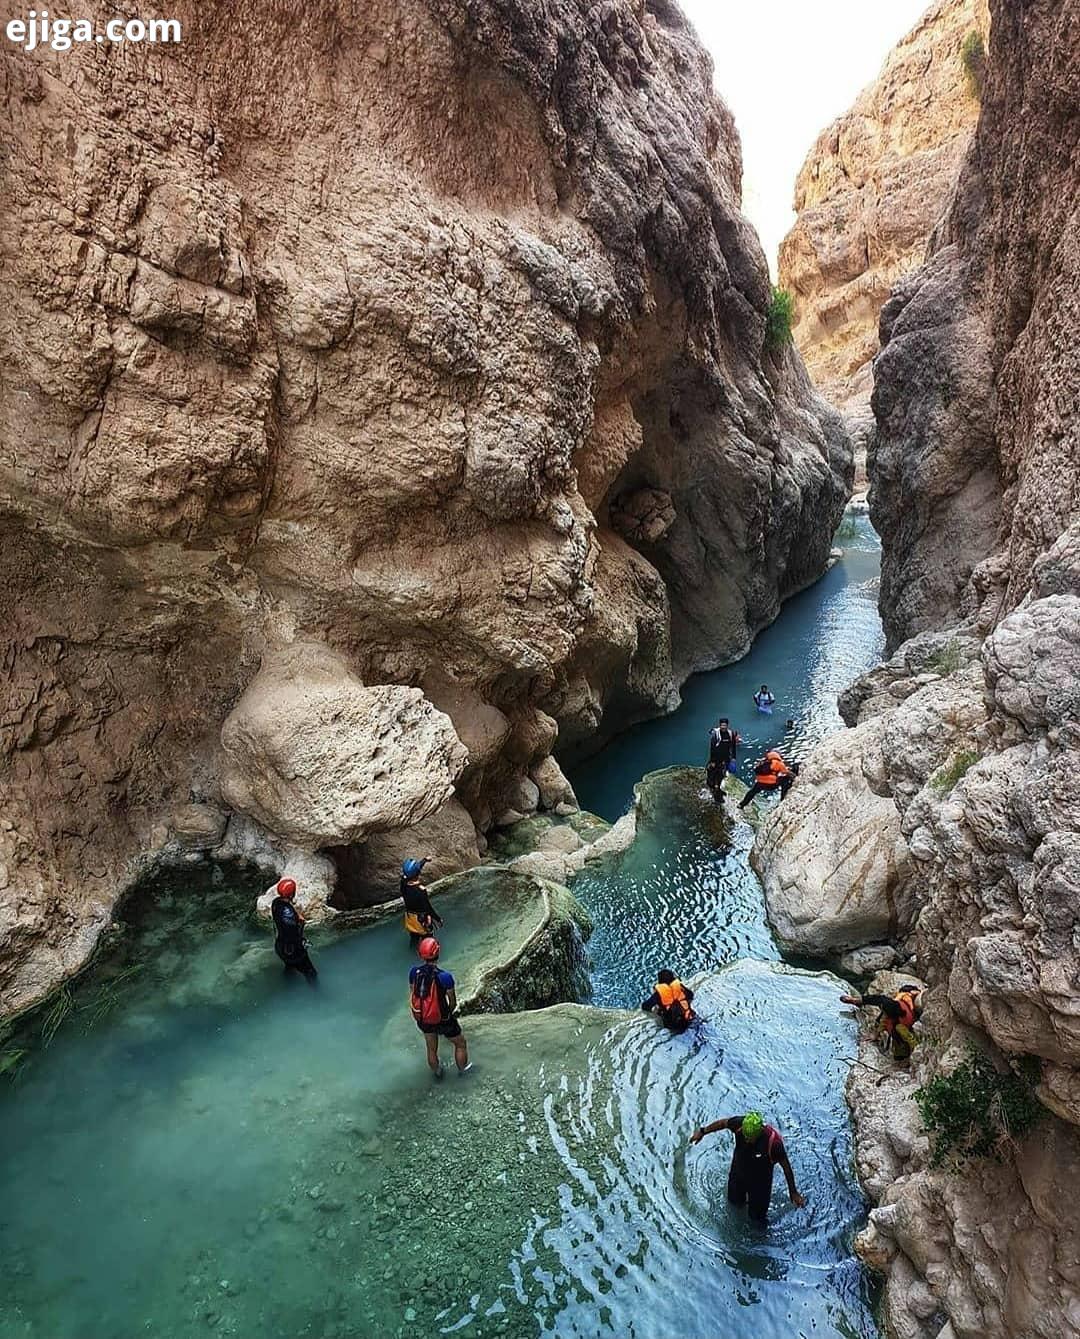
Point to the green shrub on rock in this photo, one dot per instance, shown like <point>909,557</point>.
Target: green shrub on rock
<point>973,58</point>
<point>779,319</point>
<point>974,1110</point>
<point>947,777</point>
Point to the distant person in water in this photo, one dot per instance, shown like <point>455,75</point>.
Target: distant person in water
<point>433,1001</point>
<point>671,1000</point>
<point>764,700</point>
<point>723,750</point>
<point>289,942</point>
<point>421,918</point>
<point>790,726</point>
<point>771,774</point>
<point>758,1149</point>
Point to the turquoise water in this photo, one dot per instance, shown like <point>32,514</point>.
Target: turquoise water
<point>206,1148</point>
<point>825,637</point>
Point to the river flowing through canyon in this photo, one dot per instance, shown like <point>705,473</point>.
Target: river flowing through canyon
<point>195,1147</point>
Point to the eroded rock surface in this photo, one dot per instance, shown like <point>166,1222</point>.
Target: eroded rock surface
<point>869,194</point>
<point>286,358</point>
<point>974,471</point>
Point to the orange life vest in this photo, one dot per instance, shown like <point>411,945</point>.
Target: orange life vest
<point>673,1001</point>
<point>906,1000</point>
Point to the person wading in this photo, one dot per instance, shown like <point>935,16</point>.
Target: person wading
<point>421,918</point>
<point>289,942</point>
<point>671,1000</point>
<point>894,1029</point>
<point>771,774</point>
<point>433,1001</point>
<point>758,1149</point>
<point>723,749</point>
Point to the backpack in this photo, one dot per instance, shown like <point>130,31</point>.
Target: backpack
<point>427,998</point>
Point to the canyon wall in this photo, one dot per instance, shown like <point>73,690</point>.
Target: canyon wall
<point>967,741</point>
<point>383,399</point>
<point>868,196</point>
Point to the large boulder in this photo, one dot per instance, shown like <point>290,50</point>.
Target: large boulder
<point>832,858</point>
<point>320,759</point>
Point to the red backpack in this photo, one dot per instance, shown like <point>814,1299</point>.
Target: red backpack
<point>427,998</point>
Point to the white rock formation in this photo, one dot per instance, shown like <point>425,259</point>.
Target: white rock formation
<point>321,760</point>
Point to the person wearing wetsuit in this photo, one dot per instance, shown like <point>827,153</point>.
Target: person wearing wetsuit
<point>671,1000</point>
<point>896,1018</point>
<point>289,942</point>
<point>421,918</point>
<point>758,1149</point>
<point>723,749</point>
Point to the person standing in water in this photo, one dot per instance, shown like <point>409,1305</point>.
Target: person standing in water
<point>289,942</point>
<point>723,749</point>
<point>758,1149</point>
<point>421,918</point>
<point>764,700</point>
<point>433,1001</point>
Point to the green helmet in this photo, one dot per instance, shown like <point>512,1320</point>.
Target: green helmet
<point>752,1125</point>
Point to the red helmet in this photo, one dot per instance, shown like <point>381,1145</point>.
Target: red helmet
<point>286,888</point>
<point>428,949</point>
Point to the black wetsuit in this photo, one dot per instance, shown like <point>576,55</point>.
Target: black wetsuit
<point>751,1174</point>
<point>723,748</point>
<point>289,944</point>
<point>418,904</point>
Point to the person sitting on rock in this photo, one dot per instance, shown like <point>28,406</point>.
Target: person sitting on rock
<point>289,942</point>
<point>723,748</point>
<point>771,774</point>
<point>421,918</point>
<point>758,1149</point>
<point>895,1027</point>
<point>433,1001</point>
<point>671,1000</point>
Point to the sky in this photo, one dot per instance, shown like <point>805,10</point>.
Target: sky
<point>786,68</point>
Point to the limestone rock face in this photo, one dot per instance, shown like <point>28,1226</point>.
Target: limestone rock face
<point>976,454</point>
<point>974,479</point>
<point>320,760</point>
<point>286,357</point>
<point>868,196</point>
<point>835,868</point>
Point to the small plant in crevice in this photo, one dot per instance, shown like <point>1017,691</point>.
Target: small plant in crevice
<point>973,59</point>
<point>975,1111</point>
<point>779,319</point>
<point>946,661</point>
<point>946,777</point>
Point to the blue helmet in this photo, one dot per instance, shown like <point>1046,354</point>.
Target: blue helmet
<point>411,868</point>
